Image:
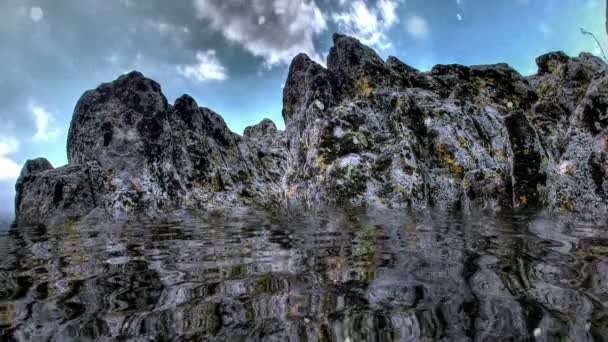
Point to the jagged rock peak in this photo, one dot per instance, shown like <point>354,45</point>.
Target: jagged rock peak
<point>550,60</point>
<point>306,83</point>
<point>103,119</point>
<point>186,104</point>
<point>263,129</point>
<point>558,60</point>
<point>131,152</point>
<point>394,63</point>
<point>34,166</point>
<point>349,55</point>
<point>361,132</point>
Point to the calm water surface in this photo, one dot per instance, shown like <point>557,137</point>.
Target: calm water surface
<point>334,277</point>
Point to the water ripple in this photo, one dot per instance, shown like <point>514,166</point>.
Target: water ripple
<point>331,277</point>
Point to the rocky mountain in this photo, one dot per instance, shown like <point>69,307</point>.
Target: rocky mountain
<point>361,132</point>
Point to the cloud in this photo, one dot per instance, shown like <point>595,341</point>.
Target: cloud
<point>288,27</point>
<point>597,51</point>
<point>177,33</point>
<point>369,24</point>
<point>459,16</point>
<point>9,169</point>
<point>166,28</point>
<point>417,26</point>
<point>207,68</point>
<point>36,13</point>
<point>44,120</point>
<point>8,145</point>
<point>388,11</point>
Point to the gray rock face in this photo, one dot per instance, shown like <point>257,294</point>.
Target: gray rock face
<point>46,195</point>
<point>131,152</point>
<point>368,132</point>
<point>361,132</point>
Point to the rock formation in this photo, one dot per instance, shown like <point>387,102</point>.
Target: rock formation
<point>361,132</point>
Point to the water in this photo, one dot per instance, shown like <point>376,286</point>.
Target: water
<point>333,277</point>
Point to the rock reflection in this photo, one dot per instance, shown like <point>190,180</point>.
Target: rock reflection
<point>334,277</point>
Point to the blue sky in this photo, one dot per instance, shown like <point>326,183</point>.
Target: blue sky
<point>233,55</point>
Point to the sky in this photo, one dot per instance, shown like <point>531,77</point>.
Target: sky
<point>233,55</point>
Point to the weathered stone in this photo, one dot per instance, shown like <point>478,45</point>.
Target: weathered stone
<point>528,156</point>
<point>263,129</point>
<point>486,189</point>
<point>361,132</point>
<point>271,148</point>
<point>32,167</point>
<point>55,195</point>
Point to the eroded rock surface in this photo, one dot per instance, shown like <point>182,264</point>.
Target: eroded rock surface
<point>369,132</point>
<point>361,132</point>
<point>129,151</point>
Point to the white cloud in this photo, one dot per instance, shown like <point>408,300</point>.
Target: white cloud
<point>208,67</point>
<point>459,16</point>
<point>9,169</point>
<point>44,120</point>
<point>288,27</point>
<point>417,26</point>
<point>388,11</point>
<point>112,58</point>
<point>8,145</point>
<point>597,51</point>
<point>178,34</point>
<point>369,24</point>
<point>166,28</point>
<point>36,13</point>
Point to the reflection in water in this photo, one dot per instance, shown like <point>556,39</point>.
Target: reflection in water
<point>334,277</point>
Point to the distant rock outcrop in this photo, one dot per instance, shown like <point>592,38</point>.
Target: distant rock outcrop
<point>361,132</point>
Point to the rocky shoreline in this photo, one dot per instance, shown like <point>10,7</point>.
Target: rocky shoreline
<point>362,132</point>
